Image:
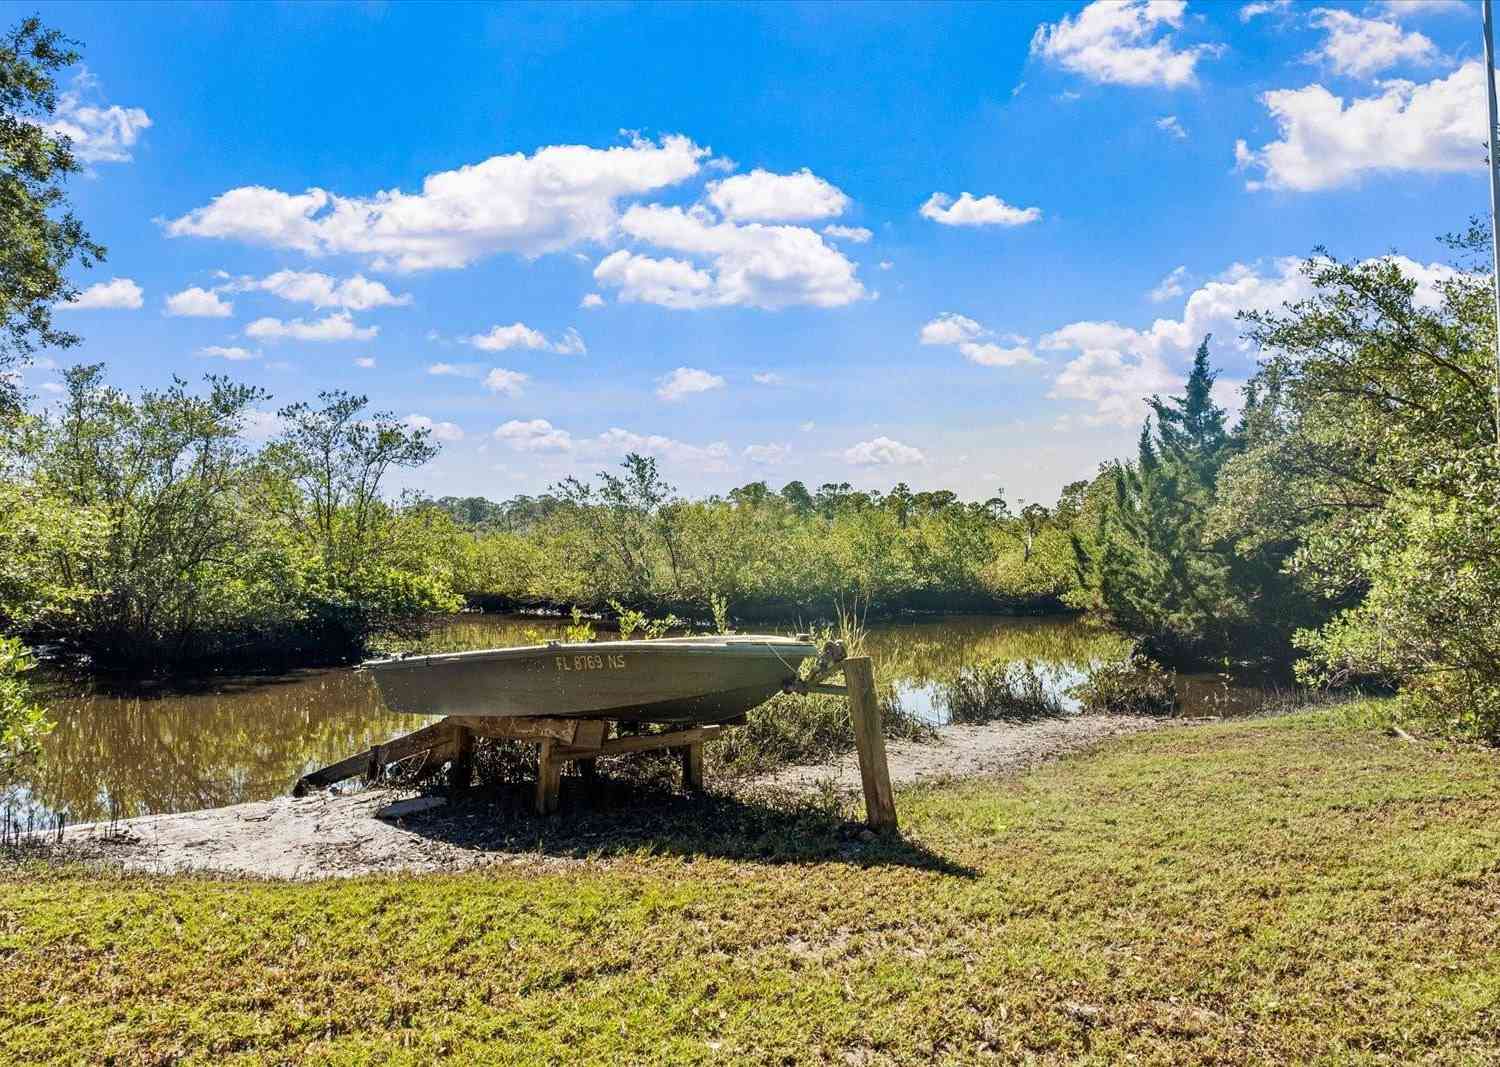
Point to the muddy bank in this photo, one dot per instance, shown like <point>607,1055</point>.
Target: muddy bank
<point>386,830</point>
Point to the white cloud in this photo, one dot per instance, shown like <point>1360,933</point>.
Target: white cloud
<point>338,326</point>
<point>949,328</point>
<point>1118,42</point>
<point>1169,124</point>
<point>969,210</point>
<point>856,234</point>
<point>753,265</point>
<point>1362,47</point>
<point>882,452</point>
<point>97,134</point>
<point>965,334</point>
<point>886,264</point>
<point>1263,7</point>
<point>441,431</point>
<point>516,335</point>
<point>233,353</point>
<point>808,427</point>
<point>1169,287</point>
<point>260,425</point>
<point>519,335</point>
<point>505,382</point>
<point>762,196</point>
<point>533,435</point>
<point>685,381</point>
<point>322,291</point>
<point>552,200</point>
<point>55,388</point>
<point>197,302</point>
<point>457,370</point>
<point>1423,7</point>
<point>365,362</point>
<point>710,458</point>
<point>1117,367</point>
<point>121,294</point>
<point>768,454</point>
<point>591,301</point>
<point>768,378</point>
<point>1431,127</point>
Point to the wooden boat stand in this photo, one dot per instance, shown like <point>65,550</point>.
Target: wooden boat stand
<point>559,740</point>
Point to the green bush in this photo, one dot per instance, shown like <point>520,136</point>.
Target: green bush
<point>22,723</point>
<point>991,692</point>
<point>1135,686</point>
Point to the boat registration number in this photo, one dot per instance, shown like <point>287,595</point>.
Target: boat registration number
<point>591,663</point>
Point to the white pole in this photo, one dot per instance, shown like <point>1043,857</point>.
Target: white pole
<point>1489,81</point>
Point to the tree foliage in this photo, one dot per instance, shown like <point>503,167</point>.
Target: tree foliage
<point>40,238</point>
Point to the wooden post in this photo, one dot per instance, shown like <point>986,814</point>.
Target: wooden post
<point>875,775</point>
<point>461,769</point>
<point>548,778</point>
<point>692,767</point>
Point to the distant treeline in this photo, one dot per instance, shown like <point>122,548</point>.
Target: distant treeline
<point>629,538</point>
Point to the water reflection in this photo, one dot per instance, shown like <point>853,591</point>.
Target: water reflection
<point>250,738</point>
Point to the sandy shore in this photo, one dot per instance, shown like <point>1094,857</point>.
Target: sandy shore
<point>385,830</point>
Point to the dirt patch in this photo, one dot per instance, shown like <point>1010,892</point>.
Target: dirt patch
<point>344,835</point>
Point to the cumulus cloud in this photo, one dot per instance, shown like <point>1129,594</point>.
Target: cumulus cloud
<point>1169,287</point>
<point>519,335</point>
<point>260,425</point>
<point>762,196</point>
<point>1170,125</point>
<point>504,382</point>
<point>97,134</point>
<point>685,381</point>
<point>121,294</point>
<point>1424,7</point>
<point>441,431</point>
<point>323,291</point>
<point>338,326</point>
<point>365,362</point>
<point>591,301</point>
<point>533,435</point>
<point>1116,367</point>
<point>199,303</point>
<point>768,378</point>
<point>1120,42</point>
<point>1263,7</point>
<point>968,337</point>
<point>556,198</point>
<point>882,452</point>
<point>711,458</point>
<point>752,264</point>
<point>1431,127</point>
<point>970,210</point>
<point>234,353</point>
<point>457,370</point>
<point>854,234</point>
<point>1361,47</point>
<point>768,454</point>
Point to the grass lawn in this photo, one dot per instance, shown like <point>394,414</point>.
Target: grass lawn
<point>1264,891</point>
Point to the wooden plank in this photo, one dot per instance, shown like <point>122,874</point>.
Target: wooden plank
<point>590,733</point>
<point>692,767</point>
<point>832,690</point>
<point>373,761</point>
<point>520,727</point>
<point>874,773</point>
<point>548,778</point>
<point>644,742</point>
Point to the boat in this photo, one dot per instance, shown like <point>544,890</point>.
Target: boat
<point>680,680</point>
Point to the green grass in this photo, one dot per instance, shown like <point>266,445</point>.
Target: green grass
<point>1300,889</point>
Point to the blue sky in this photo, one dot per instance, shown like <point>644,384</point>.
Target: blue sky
<point>557,233</point>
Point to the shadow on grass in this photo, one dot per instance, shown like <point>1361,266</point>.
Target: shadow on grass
<point>614,818</point>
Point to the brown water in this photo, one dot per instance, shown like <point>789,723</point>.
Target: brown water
<point>250,738</point>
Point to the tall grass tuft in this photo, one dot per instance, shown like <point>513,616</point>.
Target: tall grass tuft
<point>993,692</point>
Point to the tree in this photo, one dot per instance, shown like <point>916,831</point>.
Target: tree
<point>1370,450</point>
<point>1156,567</point>
<point>39,236</point>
